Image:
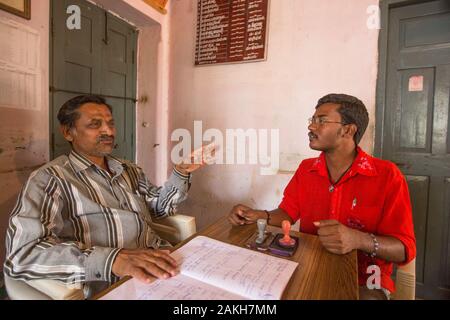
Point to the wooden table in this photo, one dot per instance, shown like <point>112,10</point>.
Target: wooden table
<point>320,275</point>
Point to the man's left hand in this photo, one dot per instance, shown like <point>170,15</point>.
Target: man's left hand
<point>336,237</point>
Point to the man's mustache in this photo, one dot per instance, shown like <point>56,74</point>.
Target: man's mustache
<point>105,138</point>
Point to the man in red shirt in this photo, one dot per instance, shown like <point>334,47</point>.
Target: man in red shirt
<point>348,198</point>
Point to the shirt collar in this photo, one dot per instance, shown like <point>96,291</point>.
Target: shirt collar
<point>363,164</point>
<point>80,163</point>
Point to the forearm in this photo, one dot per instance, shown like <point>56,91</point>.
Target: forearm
<point>389,249</point>
<point>66,261</point>
<point>163,201</point>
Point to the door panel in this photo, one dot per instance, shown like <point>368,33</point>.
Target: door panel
<point>421,31</point>
<point>416,131</point>
<point>436,255</point>
<point>59,144</point>
<point>76,53</point>
<point>441,137</point>
<point>418,189</point>
<point>118,79</point>
<point>119,59</point>
<point>122,109</point>
<point>416,110</point>
<point>445,282</point>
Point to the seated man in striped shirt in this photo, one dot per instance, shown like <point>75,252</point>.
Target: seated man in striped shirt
<point>83,218</point>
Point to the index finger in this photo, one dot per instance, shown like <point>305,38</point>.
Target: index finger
<point>326,223</point>
<point>240,210</point>
<point>210,148</point>
<point>235,219</point>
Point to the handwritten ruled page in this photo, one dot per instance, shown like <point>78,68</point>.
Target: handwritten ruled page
<point>241,271</point>
<point>177,288</point>
<point>214,270</point>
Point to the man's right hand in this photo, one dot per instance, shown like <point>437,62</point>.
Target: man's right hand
<point>241,215</point>
<point>143,264</point>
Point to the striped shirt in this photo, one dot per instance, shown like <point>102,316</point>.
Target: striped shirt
<point>72,218</point>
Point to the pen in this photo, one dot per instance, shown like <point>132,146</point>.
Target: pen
<point>354,203</point>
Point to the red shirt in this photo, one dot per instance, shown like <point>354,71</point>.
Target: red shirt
<point>372,197</point>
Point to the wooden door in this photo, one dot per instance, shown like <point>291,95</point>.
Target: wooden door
<point>416,133</point>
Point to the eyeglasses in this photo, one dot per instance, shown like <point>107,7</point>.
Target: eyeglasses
<point>320,121</point>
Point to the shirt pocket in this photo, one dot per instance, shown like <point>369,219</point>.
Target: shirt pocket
<point>364,218</point>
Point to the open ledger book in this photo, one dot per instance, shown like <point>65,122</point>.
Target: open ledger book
<point>214,270</point>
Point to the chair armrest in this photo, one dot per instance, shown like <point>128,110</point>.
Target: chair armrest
<point>57,290</point>
<point>41,289</point>
<point>175,228</point>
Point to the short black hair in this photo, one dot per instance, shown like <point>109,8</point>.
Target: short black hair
<point>68,114</point>
<point>352,111</point>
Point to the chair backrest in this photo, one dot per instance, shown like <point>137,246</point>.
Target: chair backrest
<point>405,282</point>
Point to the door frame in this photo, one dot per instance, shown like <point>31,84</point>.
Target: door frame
<point>133,89</point>
<point>380,98</point>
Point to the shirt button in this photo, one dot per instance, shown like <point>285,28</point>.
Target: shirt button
<point>98,275</point>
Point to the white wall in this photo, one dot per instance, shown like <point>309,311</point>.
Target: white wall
<point>315,47</point>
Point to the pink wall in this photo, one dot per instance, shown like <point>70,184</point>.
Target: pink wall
<point>315,47</point>
<point>152,113</point>
<point>24,134</point>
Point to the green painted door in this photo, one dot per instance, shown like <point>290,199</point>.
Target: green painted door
<point>98,59</point>
<point>416,133</point>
